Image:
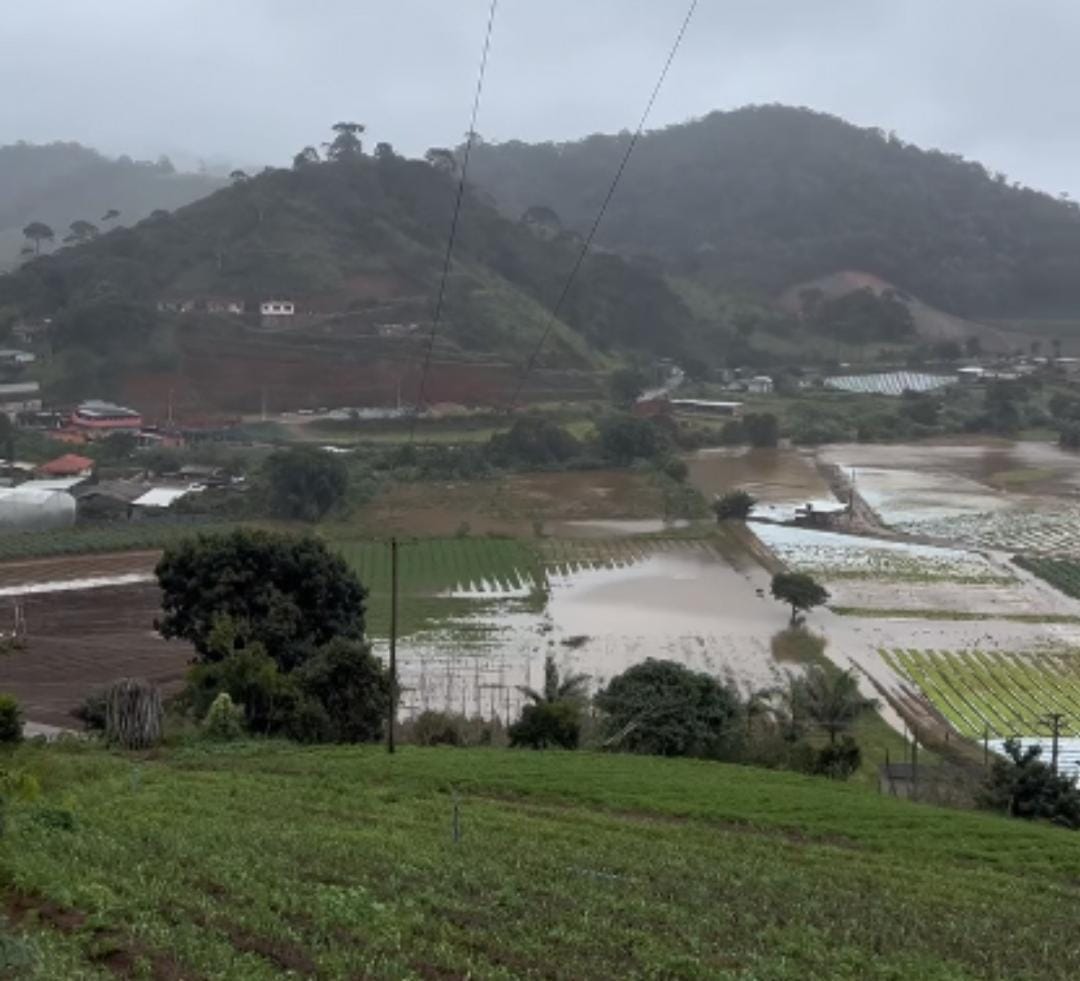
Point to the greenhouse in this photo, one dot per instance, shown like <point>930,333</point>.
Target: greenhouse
<point>24,509</point>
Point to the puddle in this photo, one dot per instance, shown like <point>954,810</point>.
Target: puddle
<point>607,529</point>
<point>67,585</point>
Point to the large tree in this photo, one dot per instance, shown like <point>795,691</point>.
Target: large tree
<point>287,593</point>
<point>664,708</point>
<point>38,232</point>
<point>304,483</point>
<point>346,144</point>
<point>799,590</point>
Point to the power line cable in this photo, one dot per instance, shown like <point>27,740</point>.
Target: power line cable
<point>437,315</point>
<point>586,245</point>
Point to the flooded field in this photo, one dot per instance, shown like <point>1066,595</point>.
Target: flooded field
<point>988,494</point>
<point>779,479</point>
<point>685,602</point>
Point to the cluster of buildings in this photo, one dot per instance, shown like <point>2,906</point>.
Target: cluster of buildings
<point>271,309</point>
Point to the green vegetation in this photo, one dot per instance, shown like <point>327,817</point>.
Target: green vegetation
<point>304,483</point>
<point>248,860</point>
<point>1061,573</point>
<point>11,720</point>
<point>117,537</point>
<point>1023,786</point>
<point>918,613</point>
<point>995,693</point>
<point>734,505</point>
<point>798,590</point>
<point>772,196</point>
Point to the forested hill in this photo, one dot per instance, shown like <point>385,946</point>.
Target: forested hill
<point>362,237</point>
<point>58,184</point>
<point>770,196</point>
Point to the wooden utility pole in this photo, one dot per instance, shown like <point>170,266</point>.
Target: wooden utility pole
<point>393,646</point>
<point>1054,720</point>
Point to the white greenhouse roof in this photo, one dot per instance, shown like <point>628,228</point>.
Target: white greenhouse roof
<point>163,497</point>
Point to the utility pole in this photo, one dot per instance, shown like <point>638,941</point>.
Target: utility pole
<point>393,646</point>
<point>1054,720</point>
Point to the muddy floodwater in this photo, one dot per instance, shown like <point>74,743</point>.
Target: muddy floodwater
<point>779,479</point>
<point>686,605</point>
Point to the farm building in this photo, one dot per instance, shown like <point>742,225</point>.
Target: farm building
<point>760,385</point>
<point>164,497</point>
<point>708,407</point>
<point>19,397</point>
<point>96,418</point>
<point>68,465</point>
<point>35,510</point>
<point>277,308</point>
<point>110,499</point>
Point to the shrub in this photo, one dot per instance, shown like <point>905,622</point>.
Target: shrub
<point>676,468</point>
<point>11,720</point>
<point>762,429</point>
<point>252,680</point>
<point>1023,786</point>
<point>91,712</point>
<point>548,724</point>
<point>224,720</point>
<point>734,505</point>
<point>838,760</point>
<point>305,483</point>
<point>133,714</point>
<point>437,729</point>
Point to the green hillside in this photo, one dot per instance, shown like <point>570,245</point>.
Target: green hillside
<point>768,196</point>
<point>252,860</point>
<point>61,183</point>
<point>356,242</point>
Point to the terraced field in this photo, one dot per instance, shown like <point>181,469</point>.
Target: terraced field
<point>993,693</point>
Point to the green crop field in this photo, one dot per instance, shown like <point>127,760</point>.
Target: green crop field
<point>119,537</point>
<point>984,692</point>
<point>1063,574</point>
<point>252,860</point>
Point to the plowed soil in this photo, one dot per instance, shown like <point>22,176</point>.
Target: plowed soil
<point>77,641</point>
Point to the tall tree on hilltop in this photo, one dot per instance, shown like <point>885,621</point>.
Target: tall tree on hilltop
<point>442,159</point>
<point>346,145</point>
<point>309,155</point>
<point>38,232</point>
<point>81,231</point>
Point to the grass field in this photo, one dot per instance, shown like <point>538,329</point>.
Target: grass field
<point>1003,695</point>
<point>249,861</point>
<point>120,537</point>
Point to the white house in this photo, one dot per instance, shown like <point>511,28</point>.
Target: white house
<point>277,308</point>
<point>760,385</point>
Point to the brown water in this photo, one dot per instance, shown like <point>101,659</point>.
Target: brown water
<point>688,605</point>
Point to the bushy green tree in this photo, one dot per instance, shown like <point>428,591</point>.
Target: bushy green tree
<point>734,505</point>
<point>287,593</point>
<point>304,483</point>
<point>762,429</point>
<point>625,385</point>
<point>1023,786</point>
<point>665,709</point>
<point>799,590</point>
<point>224,720</point>
<point>351,685</point>
<point>625,438</point>
<point>535,441</point>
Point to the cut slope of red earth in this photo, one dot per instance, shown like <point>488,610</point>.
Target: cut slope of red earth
<point>242,371</point>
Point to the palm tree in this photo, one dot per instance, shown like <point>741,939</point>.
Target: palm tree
<point>828,697</point>
<point>572,687</point>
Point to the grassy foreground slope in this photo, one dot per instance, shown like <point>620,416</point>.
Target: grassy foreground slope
<point>253,860</point>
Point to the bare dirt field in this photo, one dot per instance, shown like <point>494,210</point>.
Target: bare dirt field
<point>79,640</point>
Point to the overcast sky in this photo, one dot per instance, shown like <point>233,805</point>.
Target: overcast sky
<point>251,81</point>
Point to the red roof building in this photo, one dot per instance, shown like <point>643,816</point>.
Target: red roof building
<point>105,418</point>
<point>68,465</point>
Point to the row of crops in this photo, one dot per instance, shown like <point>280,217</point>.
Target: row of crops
<point>995,693</point>
<point>126,537</point>
<point>1063,574</point>
<point>1054,529</point>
